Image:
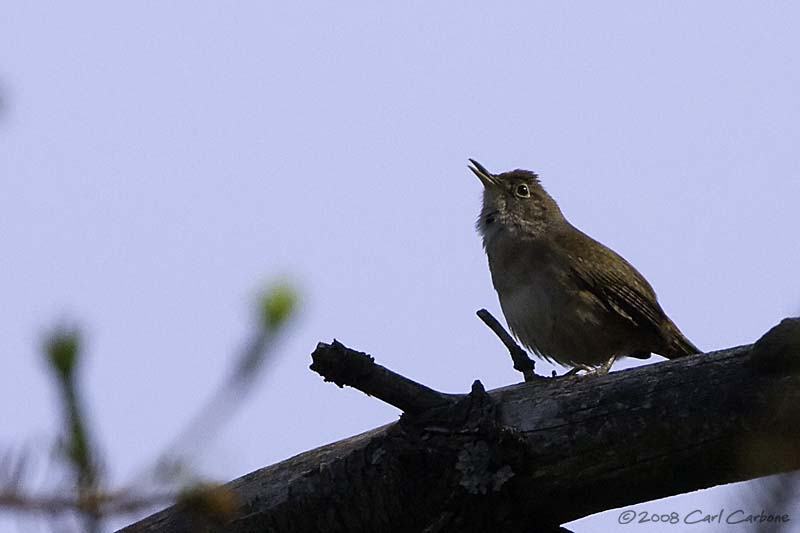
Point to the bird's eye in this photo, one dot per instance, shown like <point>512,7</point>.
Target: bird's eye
<point>523,191</point>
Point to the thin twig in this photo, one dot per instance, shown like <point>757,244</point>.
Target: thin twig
<point>522,362</point>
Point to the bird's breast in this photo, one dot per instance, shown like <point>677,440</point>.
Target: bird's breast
<point>543,307</point>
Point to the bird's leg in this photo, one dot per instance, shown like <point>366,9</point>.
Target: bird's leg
<point>574,371</point>
<point>605,367</point>
<point>601,370</point>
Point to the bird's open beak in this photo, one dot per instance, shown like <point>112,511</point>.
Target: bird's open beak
<point>486,177</point>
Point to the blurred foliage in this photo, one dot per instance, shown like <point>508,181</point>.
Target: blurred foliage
<point>216,504</point>
<point>87,497</point>
<point>62,350</point>
<point>277,305</point>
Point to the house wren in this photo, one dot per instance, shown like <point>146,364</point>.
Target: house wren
<point>565,296</point>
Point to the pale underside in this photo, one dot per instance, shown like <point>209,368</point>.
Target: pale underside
<point>566,329</point>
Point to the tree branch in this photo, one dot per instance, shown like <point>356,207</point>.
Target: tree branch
<point>343,366</point>
<point>533,456</point>
<point>522,363</point>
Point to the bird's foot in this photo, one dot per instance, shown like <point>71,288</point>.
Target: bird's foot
<point>574,371</point>
<point>588,370</point>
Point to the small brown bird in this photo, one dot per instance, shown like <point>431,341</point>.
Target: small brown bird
<point>565,296</point>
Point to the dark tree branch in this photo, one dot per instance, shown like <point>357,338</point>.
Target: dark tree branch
<point>522,363</point>
<point>343,366</point>
<point>532,456</point>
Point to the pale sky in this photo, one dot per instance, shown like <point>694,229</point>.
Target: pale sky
<point>160,161</point>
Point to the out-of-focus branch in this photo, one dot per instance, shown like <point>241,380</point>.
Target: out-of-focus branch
<point>106,504</point>
<point>88,496</point>
<point>63,350</point>
<point>275,307</point>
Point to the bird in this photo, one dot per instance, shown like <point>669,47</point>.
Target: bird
<point>566,297</point>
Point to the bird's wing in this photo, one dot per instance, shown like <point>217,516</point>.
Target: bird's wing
<point>621,288</point>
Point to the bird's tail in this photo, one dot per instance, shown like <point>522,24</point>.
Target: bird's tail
<point>677,345</point>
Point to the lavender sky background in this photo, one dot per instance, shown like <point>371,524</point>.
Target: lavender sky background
<point>160,161</point>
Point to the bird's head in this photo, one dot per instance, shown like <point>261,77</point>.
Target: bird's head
<point>515,201</point>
